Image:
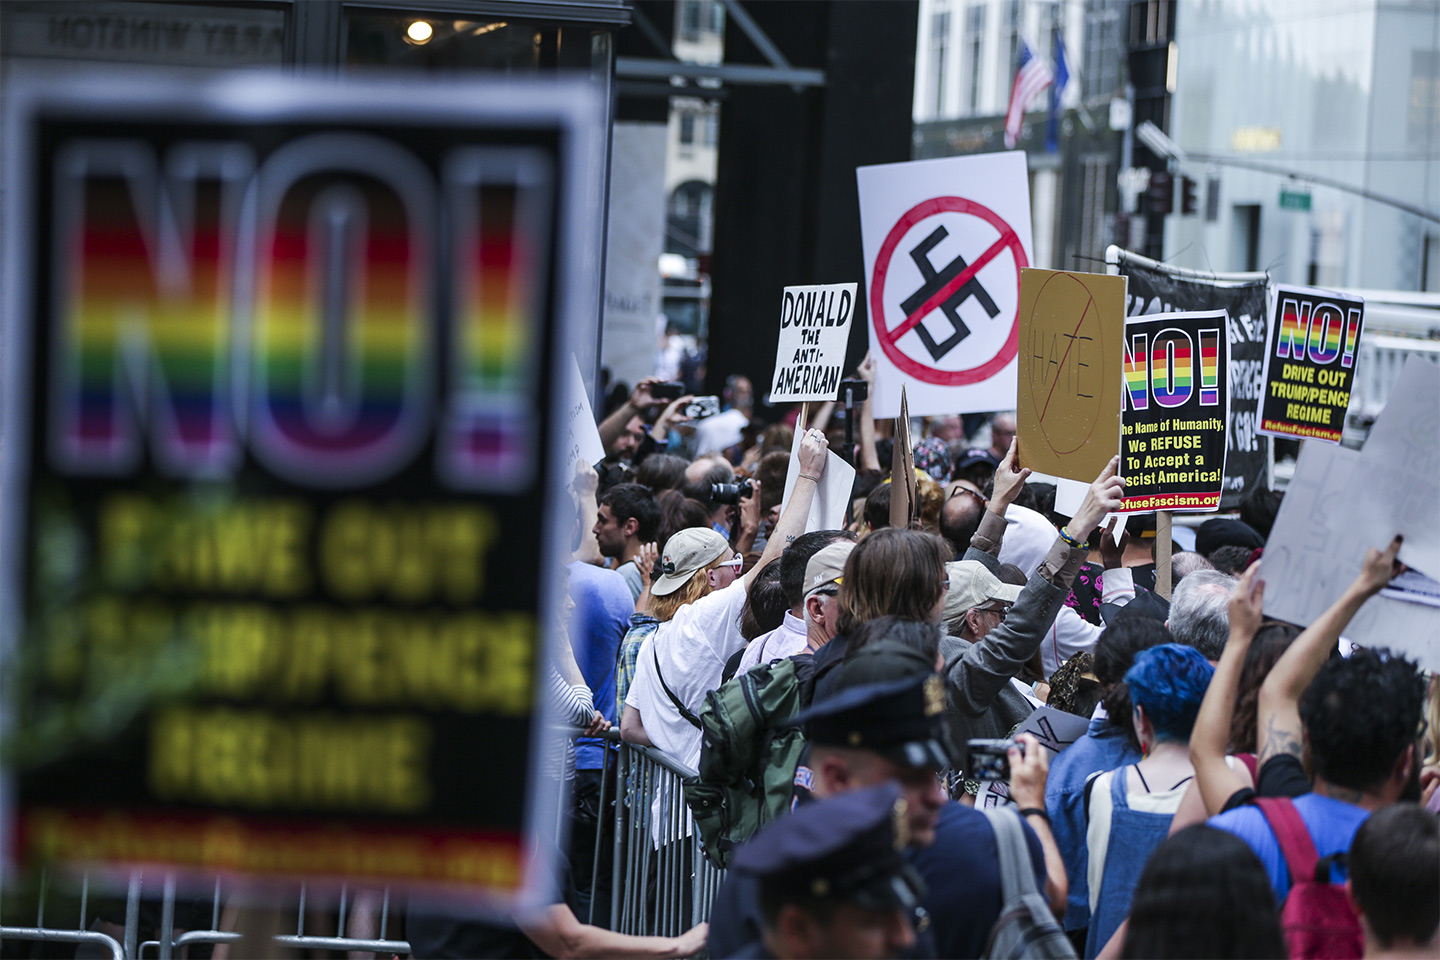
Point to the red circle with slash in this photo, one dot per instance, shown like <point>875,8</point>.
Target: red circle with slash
<point>1008,240</point>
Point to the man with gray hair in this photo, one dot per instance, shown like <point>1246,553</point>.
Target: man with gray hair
<point>1199,611</point>
<point>1186,562</point>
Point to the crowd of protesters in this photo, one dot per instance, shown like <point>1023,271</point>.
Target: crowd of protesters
<point>1244,787</point>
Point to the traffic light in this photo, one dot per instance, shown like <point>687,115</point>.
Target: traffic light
<point>1162,193</point>
<point>1188,203</point>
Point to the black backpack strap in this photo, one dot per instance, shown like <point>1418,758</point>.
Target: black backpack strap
<point>1089,787</point>
<point>690,718</point>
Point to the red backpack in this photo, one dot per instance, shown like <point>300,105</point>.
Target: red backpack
<point>1317,918</point>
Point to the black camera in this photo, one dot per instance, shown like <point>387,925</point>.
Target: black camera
<point>990,759</point>
<point>730,492</point>
<point>669,390</point>
<point>854,391</point>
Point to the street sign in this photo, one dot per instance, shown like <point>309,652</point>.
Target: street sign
<point>1294,199</point>
<point>945,241</point>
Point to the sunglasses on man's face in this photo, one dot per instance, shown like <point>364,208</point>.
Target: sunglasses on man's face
<point>737,562</point>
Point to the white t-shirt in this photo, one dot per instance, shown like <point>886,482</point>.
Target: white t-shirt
<point>691,649</point>
<point>784,641</point>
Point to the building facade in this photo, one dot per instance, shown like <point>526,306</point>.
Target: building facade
<point>1270,94</point>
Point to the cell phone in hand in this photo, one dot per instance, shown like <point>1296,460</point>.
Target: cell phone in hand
<point>990,759</point>
<point>670,390</point>
<point>702,407</point>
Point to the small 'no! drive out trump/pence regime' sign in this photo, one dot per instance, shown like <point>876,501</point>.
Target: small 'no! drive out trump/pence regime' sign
<point>814,331</point>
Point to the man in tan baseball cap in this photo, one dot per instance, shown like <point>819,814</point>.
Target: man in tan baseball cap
<point>977,596</point>
<point>823,576</point>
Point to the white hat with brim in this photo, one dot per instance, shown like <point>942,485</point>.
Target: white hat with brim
<point>687,552</point>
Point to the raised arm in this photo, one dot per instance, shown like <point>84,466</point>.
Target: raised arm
<point>869,459</point>
<point>1277,721</point>
<point>813,451</point>
<point>639,402</point>
<point>645,563</point>
<point>749,526</point>
<point>1209,739</point>
<point>987,665</point>
<point>1009,481</point>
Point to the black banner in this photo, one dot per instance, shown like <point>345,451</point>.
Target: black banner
<point>279,426</point>
<point>1155,290</point>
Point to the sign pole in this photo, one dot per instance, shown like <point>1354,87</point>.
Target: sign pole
<point>1162,553</point>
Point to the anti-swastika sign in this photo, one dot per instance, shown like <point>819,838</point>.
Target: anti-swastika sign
<point>945,241</point>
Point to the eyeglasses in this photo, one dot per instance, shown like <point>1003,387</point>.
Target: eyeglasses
<point>737,562</point>
<point>999,607</point>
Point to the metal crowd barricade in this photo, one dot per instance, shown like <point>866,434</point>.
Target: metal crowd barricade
<point>62,935</point>
<point>661,882</point>
<point>168,944</point>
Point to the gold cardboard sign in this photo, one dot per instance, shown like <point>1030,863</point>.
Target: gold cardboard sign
<point>1072,327</point>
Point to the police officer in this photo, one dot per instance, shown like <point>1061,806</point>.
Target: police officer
<point>834,882</point>
<point>885,723</point>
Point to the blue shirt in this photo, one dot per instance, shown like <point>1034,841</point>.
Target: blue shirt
<point>602,612</point>
<point>1103,747</point>
<point>1332,824</point>
<point>961,870</point>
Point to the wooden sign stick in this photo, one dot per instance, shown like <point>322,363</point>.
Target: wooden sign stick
<point>1162,553</point>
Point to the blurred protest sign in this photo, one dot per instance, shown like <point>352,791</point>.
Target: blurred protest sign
<point>904,485</point>
<point>1309,362</point>
<point>276,499</point>
<point>1172,444</point>
<point>1341,502</point>
<point>582,435</point>
<point>1162,288</point>
<point>814,331</point>
<point>1068,406</point>
<point>945,241</point>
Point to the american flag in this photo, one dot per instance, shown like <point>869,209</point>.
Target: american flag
<point>1032,76</point>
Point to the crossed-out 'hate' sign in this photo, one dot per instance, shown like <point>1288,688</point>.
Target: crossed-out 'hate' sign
<point>1309,362</point>
<point>814,331</point>
<point>1068,401</point>
<point>1172,425</point>
<point>280,438</point>
<point>945,241</point>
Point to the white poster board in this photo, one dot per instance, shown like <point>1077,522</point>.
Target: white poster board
<point>582,434</point>
<point>944,242</point>
<point>1342,502</point>
<point>814,331</point>
<point>832,493</point>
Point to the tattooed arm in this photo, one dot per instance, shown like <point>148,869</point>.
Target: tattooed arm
<point>1278,725</point>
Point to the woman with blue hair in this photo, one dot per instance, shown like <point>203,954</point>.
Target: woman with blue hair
<point>1129,809</point>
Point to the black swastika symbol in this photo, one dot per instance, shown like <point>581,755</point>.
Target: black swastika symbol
<point>951,306</point>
